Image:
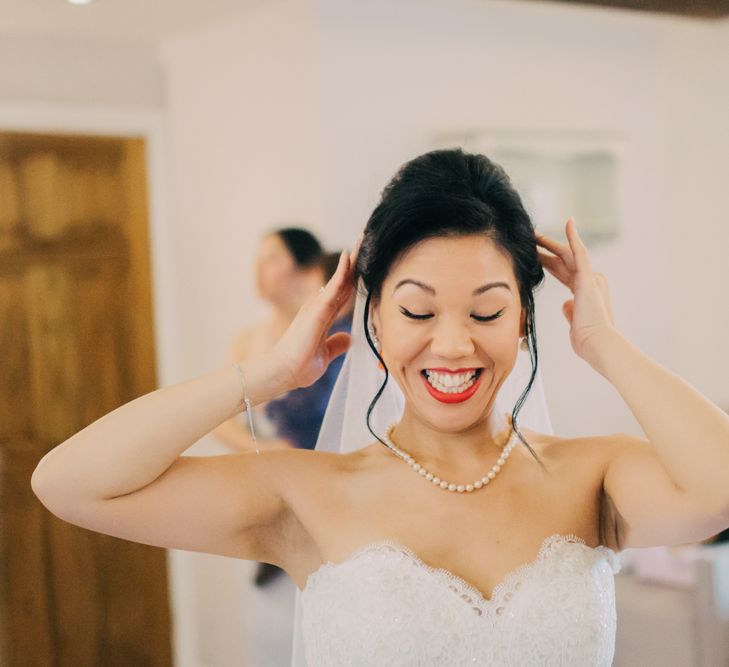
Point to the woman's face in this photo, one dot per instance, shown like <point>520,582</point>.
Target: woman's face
<point>277,276</point>
<point>449,364</point>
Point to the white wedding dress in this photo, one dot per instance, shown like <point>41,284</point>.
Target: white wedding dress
<point>384,606</point>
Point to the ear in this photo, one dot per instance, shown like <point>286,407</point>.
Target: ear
<point>375,317</point>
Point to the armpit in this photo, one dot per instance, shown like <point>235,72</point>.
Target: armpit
<point>611,523</point>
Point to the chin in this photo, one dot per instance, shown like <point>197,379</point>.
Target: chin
<point>452,418</point>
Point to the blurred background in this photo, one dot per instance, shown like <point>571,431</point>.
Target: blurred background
<point>145,149</point>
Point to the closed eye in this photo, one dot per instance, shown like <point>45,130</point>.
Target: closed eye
<point>413,316</point>
<point>478,318</point>
<point>488,318</point>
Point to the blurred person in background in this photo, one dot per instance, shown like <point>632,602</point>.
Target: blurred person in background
<point>288,270</point>
<point>290,267</point>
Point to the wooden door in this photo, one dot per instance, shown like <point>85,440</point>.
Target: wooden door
<point>76,341</point>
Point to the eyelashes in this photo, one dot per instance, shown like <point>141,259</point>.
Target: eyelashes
<point>488,318</point>
<point>478,318</point>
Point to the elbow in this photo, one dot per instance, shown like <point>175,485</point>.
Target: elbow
<point>39,479</point>
<point>42,483</point>
<point>53,493</point>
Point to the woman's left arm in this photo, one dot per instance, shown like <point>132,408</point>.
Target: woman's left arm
<point>674,487</point>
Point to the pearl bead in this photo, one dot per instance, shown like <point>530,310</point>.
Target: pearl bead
<point>458,488</point>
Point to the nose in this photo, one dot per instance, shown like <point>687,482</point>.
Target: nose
<point>451,340</point>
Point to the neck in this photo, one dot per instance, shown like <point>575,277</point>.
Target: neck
<point>477,446</point>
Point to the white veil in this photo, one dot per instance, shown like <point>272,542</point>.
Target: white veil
<point>344,427</point>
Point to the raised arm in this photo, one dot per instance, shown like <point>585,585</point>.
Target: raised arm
<point>673,487</point>
<point>124,475</point>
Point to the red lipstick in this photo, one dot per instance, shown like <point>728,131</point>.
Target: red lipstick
<point>444,397</point>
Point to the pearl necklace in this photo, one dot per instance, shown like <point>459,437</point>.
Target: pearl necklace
<point>458,488</point>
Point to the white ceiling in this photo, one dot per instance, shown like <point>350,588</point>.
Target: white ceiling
<point>148,20</point>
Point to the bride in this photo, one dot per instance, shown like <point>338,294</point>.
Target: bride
<point>451,534</point>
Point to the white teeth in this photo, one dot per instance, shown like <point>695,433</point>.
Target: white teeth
<point>451,383</point>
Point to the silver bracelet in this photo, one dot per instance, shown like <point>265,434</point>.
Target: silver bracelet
<point>247,402</point>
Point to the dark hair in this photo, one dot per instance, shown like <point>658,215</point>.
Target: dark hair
<point>452,193</point>
<point>302,244</point>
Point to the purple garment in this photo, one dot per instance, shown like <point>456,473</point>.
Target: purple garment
<point>298,414</point>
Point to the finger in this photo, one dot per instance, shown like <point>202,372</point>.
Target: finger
<point>555,266</point>
<point>568,308</point>
<point>355,250</point>
<point>579,249</point>
<point>338,343</point>
<point>562,250</point>
<point>329,292</point>
<point>339,288</point>
<point>339,274</point>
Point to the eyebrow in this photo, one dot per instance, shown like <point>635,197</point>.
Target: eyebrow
<point>428,288</point>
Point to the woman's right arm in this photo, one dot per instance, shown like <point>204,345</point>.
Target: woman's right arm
<point>124,475</point>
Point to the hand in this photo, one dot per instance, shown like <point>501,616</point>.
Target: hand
<point>589,313</point>
<point>304,351</point>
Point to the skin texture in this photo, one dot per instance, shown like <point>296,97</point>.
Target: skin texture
<point>125,475</point>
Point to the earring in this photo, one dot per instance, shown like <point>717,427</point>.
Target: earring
<point>374,338</point>
<point>524,345</point>
<point>378,347</point>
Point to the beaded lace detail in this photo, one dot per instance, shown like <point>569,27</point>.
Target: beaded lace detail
<point>385,605</point>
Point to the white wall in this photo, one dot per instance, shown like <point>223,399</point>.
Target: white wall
<point>243,117</point>
<point>696,69</point>
<point>75,71</point>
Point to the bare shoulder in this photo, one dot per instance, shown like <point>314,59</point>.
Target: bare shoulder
<point>589,458</point>
<point>597,450</point>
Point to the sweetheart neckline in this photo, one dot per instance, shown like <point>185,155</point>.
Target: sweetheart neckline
<point>545,548</point>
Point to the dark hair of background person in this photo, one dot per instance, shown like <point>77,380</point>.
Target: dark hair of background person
<point>302,244</point>
<point>450,193</point>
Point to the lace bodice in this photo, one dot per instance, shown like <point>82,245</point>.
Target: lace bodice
<point>384,606</point>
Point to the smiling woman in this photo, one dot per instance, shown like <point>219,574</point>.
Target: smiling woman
<point>449,264</point>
